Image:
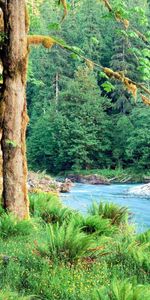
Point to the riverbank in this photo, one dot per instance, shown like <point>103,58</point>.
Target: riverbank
<point>107,176</point>
<point>42,182</point>
<point>61,254</point>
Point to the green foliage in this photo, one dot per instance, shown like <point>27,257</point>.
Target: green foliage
<point>13,296</point>
<point>65,242</point>
<point>39,202</point>
<point>108,87</point>
<point>81,257</point>
<point>117,215</point>
<point>125,290</point>
<point>10,226</point>
<point>48,207</point>
<point>77,133</point>
<point>138,142</point>
<point>97,225</point>
<point>79,118</point>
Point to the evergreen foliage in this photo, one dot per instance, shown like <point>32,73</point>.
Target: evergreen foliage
<point>79,119</point>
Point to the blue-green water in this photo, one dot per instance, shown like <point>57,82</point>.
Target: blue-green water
<point>82,195</point>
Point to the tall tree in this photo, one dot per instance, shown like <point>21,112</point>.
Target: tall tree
<point>14,119</point>
<point>14,57</point>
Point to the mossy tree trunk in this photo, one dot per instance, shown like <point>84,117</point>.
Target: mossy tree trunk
<point>15,119</point>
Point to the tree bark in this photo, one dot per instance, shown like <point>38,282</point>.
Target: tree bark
<point>57,90</point>
<point>15,119</point>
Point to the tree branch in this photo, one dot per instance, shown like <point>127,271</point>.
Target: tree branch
<point>64,4</point>
<point>125,22</point>
<point>48,42</point>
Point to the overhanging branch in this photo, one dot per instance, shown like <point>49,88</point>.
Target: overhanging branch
<point>132,86</point>
<point>64,4</point>
<point>124,21</point>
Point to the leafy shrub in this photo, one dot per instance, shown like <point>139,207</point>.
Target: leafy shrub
<point>49,208</point>
<point>128,255</point>
<point>117,215</point>
<point>95,224</point>
<point>56,215</point>
<point>9,225</point>
<point>40,201</point>
<point>124,290</point>
<point>144,237</point>
<point>65,242</point>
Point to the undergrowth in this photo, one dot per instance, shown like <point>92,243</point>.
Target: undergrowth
<point>61,254</point>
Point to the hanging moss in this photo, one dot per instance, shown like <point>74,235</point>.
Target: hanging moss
<point>145,100</point>
<point>46,41</point>
<point>131,87</point>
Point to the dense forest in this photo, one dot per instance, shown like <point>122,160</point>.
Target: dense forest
<point>85,68</point>
<point>79,117</point>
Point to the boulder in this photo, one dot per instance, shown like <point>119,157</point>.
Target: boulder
<point>43,182</point>
<point>64,187</point>
<point>142,190</point>
<point>89,179</point>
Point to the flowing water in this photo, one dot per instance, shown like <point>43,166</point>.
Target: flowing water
<point>82,195</point>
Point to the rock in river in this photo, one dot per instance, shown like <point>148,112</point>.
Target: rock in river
<point>142,190</point>
<point>89,179</point>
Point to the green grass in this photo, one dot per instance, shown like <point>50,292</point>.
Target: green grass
<point>72,257</point>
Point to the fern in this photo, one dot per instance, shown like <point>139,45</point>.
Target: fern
<point>49,208</point>
<point>66,242</point>
<point>122,290</point>
<point>97,225</point>
<point>9,225</point>
<point>117,215</point>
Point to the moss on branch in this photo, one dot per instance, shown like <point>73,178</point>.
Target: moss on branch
<point>46,41</point>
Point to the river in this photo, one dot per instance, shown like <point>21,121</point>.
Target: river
<point>82,195</point>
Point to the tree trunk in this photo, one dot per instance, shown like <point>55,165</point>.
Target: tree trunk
<point>57,90</point>
<point>15,56</point>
